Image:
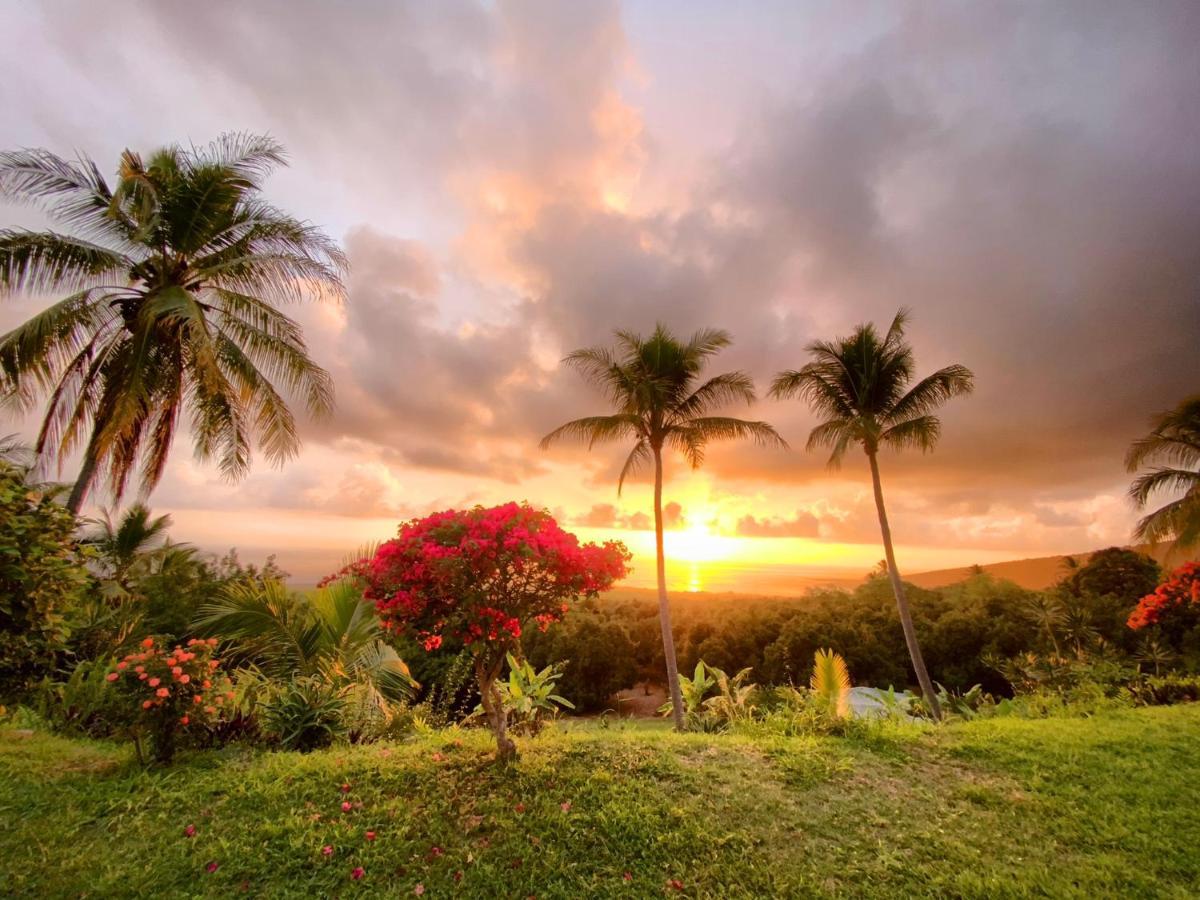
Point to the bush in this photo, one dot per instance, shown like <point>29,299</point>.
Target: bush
<point>41,580</point>
<point>304,713</point>
<point>166,690</point>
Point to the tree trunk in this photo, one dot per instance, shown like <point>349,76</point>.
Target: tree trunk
<point>493,708</point>
<point>84,482</point>
<point>906,622</point>
<point>664,604</point>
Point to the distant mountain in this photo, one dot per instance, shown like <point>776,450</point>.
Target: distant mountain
<point>1039,572</point>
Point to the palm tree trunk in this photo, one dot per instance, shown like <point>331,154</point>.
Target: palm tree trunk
<point>906,622</point>
<point>83,483</point>
<point>664,604</point>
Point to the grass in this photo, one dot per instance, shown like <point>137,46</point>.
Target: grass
<point>1001,807</point>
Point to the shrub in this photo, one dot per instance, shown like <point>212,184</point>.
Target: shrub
<point>528,695</point>
<point>304,713</point>
<point>481,576</point>
<point>166,690</point>
<point>41,580</point>
<point>1172,612</point>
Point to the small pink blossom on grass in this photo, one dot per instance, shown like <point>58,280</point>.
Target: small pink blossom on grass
<point>566,806</point>
<point>189,831</point>
<point>327,850</point>
<point>357,873</point>
<point>212,867</point>
<point>435,852</point>
<point>370,835</point>
<point>347,806</point>
<point>628,876</point>
<point>112,676</point>
<point>419,889</point>
<point>438,757</point>
<point>345,788</point>
<point>520,808</point>
<point>675,884</point>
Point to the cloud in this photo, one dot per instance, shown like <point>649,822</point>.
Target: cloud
<point>803,524</point>
<point>511,182</point>
<point>605,515</point>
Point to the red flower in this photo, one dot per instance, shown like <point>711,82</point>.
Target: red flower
<point>628,876</point>
<point>675,884</point>
<point>212,867</point>
<point>566,807</point>
<point>189,831</point>
<point>148,642</point>
<point>357,873</point>
<point>327,850</point>
<point>112,676</point>
<point>370,835</point>
<point>345,788</point>
<point>520,807</point>
<point>347,806</point>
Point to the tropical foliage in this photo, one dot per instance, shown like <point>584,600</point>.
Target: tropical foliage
<point>332,636</point>
<point>830,684</point>
<point>42,580</point>
<point>653,385</point>
<point>1171,451</point>
<point>171,281</point>
<point>863,387</point>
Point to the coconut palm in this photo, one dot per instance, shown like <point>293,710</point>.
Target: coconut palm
<point>172,279</point>
<point>1173,449</point>
<point>862,386</point>
<point>652,383</point>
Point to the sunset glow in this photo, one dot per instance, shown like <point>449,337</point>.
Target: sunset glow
<point>523,180</point>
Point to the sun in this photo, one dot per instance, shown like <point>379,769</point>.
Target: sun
<point>697,543</point>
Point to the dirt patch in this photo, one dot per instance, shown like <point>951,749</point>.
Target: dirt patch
<point>640,702</point>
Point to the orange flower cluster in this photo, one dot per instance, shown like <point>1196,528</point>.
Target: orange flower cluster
<point>1179,591</point>
<point>184,683</point>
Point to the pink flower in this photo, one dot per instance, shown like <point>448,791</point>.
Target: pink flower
<point>357,873</point>
<point>628,876</point>
<point>112,676</point>
<point>566,807</point>
<point>162,692</point>
<point>370,835</point>
<point>155,682</point>
<point>675,884</point>
<point>327,850</point>
<point>438,757</point>
<point>347,806</point>
<point>520,807</point>
<point>212,867</point>
<point>189,831</point>
<point>435,852</point>
<point>419,889</point>
<point>345,789</point>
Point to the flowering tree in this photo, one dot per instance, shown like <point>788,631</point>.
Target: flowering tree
<point>170,689</point>
<point>480,576</point>
<point>1173,608</point>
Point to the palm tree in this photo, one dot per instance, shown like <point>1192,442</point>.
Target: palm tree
<point>1173,448</point>
<point>652,385</point>
<point>863,388</point>
<point>172,279</point>
<point>127,547</point>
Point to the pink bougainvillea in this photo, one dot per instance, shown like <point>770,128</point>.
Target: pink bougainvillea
<point>482,576</point>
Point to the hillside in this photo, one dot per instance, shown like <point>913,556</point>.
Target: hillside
<point>1038,572</point>
<point>989,808</point>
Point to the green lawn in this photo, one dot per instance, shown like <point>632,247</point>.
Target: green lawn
<point>1003,807</point>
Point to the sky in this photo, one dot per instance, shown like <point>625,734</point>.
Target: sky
<point>514,180</point>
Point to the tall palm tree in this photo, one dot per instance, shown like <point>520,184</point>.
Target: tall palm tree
<point>172,281</point>
<point>862,386</point>
<point>1173,449</point>
<point>652,386</point>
